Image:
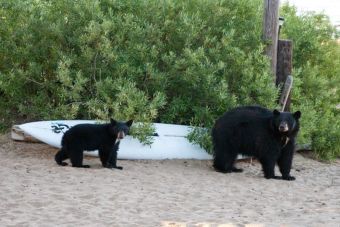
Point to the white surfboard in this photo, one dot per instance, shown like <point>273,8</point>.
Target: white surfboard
<point>170,142</point>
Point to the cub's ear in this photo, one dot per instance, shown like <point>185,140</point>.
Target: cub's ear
<point>276,112</point>
<point>113,122</point>
<point>129,123</point>
<point>297,115</point>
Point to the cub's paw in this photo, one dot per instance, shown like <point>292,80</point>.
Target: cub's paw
<point>80,166</point>
<point>289,178</point>
<point>273,177</point>
<point>110,166</point>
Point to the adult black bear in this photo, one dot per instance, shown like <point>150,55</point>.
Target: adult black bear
<point>102,137</point>
<point>256,131</point>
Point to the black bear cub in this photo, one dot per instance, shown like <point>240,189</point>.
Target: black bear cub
<point>256,131</point>
<point>102,137</point>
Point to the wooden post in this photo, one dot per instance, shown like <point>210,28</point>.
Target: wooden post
<point>284,64</point>
<point>284,60</point>
<point>285,93</point>
<point>270,30</point>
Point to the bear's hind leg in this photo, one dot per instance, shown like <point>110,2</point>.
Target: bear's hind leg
<point>60,156</point>
<point>76,157</point>
<point>103,155</point>
<point>224,161</point>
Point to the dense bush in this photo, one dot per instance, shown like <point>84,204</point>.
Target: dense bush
<point>170,61</point>
<point>182,62</point>
<point>316,61</point>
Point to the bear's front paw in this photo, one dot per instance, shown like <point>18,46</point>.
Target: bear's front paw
<point>110,166</point>
<point>290,178</point>
<point>273,177</point>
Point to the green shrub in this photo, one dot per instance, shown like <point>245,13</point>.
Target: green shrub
<point>316,61</point>
<point>182,62</point>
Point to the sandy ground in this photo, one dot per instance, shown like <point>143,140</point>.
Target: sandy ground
<point>34,191</point>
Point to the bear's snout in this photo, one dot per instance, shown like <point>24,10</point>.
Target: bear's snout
<point>121,135</point>
<point>283,127</point>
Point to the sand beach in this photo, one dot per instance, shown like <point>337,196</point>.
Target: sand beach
<point>34,191</point>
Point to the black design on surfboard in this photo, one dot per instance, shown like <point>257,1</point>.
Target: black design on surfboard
<point>59,127</point>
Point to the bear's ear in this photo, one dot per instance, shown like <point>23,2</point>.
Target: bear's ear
<point>113,122</point>
<point>129,123</point>
<point>297,115</point>
<point>276,112</point>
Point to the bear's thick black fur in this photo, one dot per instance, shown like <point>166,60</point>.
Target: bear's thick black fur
<point>102,137</point>
<point>256,131</point>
